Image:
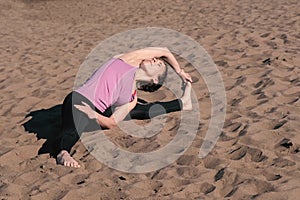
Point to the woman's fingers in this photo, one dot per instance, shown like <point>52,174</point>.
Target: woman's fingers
<point>78,107</point>
<point>85,103</point>
<point>87,110</point>
<point>81,108</point>
<point>186,76</point>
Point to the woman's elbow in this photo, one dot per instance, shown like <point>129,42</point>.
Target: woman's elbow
<point>107,123</point>
<point>111,124</point>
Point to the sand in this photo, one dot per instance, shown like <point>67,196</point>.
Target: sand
<point>255,45</point>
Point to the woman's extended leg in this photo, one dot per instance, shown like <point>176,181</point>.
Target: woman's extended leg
<point>153,109</point>
<point>149,110</point>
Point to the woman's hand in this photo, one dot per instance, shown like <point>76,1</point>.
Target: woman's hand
<point>85,108</point>
<point>104,122</point>
<point>185,76</point>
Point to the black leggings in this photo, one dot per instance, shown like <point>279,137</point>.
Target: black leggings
<point>74,122</point>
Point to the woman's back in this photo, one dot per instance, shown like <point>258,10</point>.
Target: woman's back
<point>110,85</point>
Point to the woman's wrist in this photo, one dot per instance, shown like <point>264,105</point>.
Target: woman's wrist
<point>179,71</point>
<point>100,120</point>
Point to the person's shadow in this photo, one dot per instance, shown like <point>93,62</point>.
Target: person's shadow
<point>46,124</point>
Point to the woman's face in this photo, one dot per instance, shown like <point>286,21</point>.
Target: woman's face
<point>153,68</point>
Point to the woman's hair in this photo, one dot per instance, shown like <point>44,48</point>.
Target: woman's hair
<point>152,87</point>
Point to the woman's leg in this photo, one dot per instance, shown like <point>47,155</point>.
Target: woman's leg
<point>74,123</point>
<point>145,110</point>
<point>149,110</point>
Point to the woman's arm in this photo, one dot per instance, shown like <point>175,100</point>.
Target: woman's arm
<point>121,112</point>
<point>108,122</point>
<point>104,122</point>
<point>137,56</point>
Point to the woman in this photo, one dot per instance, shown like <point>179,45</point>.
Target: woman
<point>110,96</point>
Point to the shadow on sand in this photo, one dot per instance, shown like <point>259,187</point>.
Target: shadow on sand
<point>46,124</point>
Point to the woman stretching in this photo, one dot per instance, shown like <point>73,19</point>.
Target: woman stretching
<point>109,96</point>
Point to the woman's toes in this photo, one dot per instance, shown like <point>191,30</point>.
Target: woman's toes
<point>64,158</point>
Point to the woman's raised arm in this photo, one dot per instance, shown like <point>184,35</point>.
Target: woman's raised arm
<point>137,56</point>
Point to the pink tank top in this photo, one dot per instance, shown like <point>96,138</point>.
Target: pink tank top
<point>110,85</point>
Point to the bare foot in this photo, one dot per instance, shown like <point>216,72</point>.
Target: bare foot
<point>186,98</point>
<point>64,158</point>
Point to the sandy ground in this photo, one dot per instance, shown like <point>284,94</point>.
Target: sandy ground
<point>256,46</point>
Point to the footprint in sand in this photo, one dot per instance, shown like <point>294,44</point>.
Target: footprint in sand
<point>279,124</point>
<point>236,101</point>
<point>211,162</point>
<point>287,145</point>
<point>223,137</point>
<point>233,126</point>
<point>219,175</point>
<point>236,128</point>
<point>282,162</point>
<point>186,160</point>
<point>228,185</point>
<point>265,35</point>
<point>238,153</point>
<point>252,43</point>
<point>207,188</point>
<point>272,44</point>
<point>244,130</point>
<point>189,172</point>
<point>256,155</point>
<point>271,176</point>
<point>240,80</point>
<point>221,63</point>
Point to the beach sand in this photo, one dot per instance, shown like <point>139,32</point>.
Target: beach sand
<point>255,45</point>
